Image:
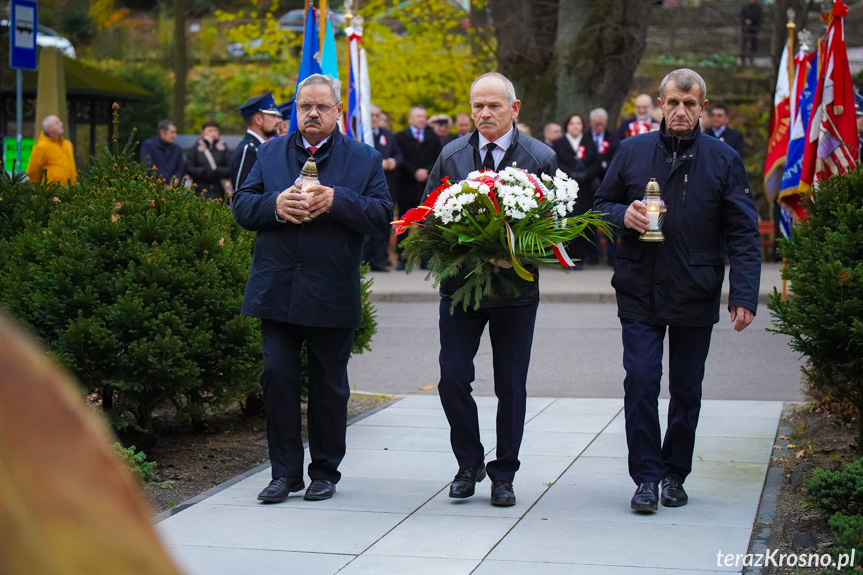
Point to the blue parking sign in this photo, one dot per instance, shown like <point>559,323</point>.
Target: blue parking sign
<point>22,36</point>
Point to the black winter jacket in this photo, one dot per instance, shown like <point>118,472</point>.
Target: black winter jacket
<point>704,185</point>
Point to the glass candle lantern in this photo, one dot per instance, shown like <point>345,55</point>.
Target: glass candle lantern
<point>654,209</point>
<point>308,177</point>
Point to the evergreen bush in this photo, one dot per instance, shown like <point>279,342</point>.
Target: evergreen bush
<point>136,462</point>
<point>823,316</point>
<point>137,289</point>
<point>837,491</point>
<point>849,537</point>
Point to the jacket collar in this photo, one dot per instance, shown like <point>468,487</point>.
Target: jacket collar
<point>673,144</point>
<point>295,143</point>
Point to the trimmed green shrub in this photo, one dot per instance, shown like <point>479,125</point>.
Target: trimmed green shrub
<point>824,314</point>
<point>136,288</point>
<point>837,491</point>
<point>136,462</point>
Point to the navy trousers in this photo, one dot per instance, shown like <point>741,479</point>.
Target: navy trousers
<point>650,457</point>
<point>329,350</point>
<point>511,332</point>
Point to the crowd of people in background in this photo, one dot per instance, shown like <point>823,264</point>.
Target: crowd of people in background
<point>584,146</point>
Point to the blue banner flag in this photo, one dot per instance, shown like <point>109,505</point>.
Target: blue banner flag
<point>309,64</point>
<point>797,140</point>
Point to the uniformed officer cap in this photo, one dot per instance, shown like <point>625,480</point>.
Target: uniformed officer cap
<point>285,108</point>
<point>265,104</point>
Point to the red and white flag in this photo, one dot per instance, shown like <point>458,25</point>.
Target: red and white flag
<point>777,145</point>
<point>831,146</point>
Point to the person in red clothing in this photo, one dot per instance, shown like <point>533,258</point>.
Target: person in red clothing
<point>52,154</point>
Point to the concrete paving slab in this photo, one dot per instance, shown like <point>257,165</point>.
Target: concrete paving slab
<point>610,503</point>
<point>619,544</point>
<point>564,421</point>
<point>526,493</point>
<point>490,567</point>
<point>742,449</point>
<point>404,465</point>
<point>395,565</point>
<point>279,527</point>
<point>725,426</point>
<point>352,494</point>
<point>194,560</point>
<point>445,536</point>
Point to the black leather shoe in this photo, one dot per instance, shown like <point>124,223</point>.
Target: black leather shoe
<point>320,489</point>
<point>502,494</point>
<point>646,498</point>
<point>279,489</point>
<point>464,483</point>
<point>673,494</point>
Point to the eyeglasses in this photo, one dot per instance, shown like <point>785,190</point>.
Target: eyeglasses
<point>322,108</point>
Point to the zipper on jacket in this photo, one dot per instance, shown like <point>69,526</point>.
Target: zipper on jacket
<point>685,181</point>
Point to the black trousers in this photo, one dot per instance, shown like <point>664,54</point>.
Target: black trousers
<point>650,457</point>
<point>329,350</point>
<point>511,331</point>
<point>375,252</point>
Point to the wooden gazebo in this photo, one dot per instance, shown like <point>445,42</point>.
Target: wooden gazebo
<point>90,92</point>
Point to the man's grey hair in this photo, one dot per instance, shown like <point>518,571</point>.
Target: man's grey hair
<point>685,79</point>
<point>373,108</point>
<point>508,87</point>
<point>49,119</point>
<point>598,113</point>
<point>334,84</point>
<point>164,125</point>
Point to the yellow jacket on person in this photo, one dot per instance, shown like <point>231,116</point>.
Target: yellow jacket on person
<point>55,156</point>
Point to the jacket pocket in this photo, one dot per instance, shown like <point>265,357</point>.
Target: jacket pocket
<point>630,251</point>
<point>705,258</point>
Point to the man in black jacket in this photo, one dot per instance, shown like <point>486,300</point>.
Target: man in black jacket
<point>495,144</point>
<point>674,286</point>
<point>209,163</point>
<point>376,250</point>
<point>305,280</point>
<point>719,128</point>
<point>420,148</point>
<point>750,20</point>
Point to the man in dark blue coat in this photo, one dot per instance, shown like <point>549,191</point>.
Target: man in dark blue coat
<point>305,281</point>
<point>675,285</point>
<point>376,250</point>
<point>495,144</point>
<point>161,151</point>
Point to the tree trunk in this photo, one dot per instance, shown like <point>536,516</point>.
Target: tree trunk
<point>181,65</point>
<point>596,66</point>
<point>566,56</point>
<point>525,34</point>
<point>801,20</point>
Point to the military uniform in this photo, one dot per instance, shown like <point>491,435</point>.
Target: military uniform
<point>246,153</point>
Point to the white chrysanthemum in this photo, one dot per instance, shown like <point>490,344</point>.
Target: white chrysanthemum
<point>474,175</point>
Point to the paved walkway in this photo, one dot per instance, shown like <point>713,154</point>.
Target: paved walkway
<point>391,513</point>
<point>590,285</point>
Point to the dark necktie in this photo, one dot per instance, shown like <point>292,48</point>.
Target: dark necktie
<point>313,149</point>
<point>488,161</point>
<point>419,136</point>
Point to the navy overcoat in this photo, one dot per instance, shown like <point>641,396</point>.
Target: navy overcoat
<point>309,274</point>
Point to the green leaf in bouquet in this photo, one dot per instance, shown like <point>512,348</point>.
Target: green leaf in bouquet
<point>465,239</point>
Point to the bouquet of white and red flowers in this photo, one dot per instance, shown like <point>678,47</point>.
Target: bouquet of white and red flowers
<point>492,220</point>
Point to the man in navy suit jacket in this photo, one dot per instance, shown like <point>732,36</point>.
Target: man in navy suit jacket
<point>719,128</point>
<point>376,248</point>
<point>305,281</point>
